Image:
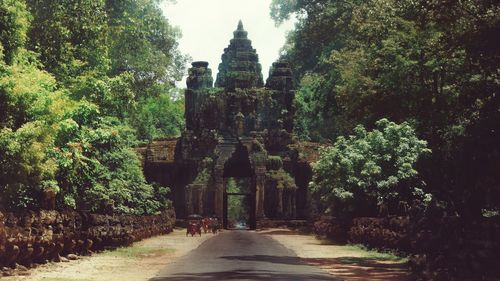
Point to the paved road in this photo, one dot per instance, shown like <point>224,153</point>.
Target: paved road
<point>240,255</point>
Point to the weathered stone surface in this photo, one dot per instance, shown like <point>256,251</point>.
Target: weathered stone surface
<point>240,67</point>
<point>37,237</point>
<point>466,254</point>
<point>159,151</point>
<point>382,233</point>
<point>231,129</point>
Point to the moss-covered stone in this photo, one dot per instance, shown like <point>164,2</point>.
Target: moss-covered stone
<point>240,67</point>
<point>231,129</point>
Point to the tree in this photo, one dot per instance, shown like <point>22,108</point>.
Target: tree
<point>29,104</point>
<point>70,36</point>
<point>159,117</point>
<point>143,42</point>
<point>430,63</point>
<point>64,118</point>
<point>369,168</point>
<point>98,168</point>
<point>25,168</point>
<point>14,22</point>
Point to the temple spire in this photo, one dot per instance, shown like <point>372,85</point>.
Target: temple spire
<point>240,67</point>
<point>240,32</point>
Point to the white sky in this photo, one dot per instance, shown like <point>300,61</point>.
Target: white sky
<point>208,25</point>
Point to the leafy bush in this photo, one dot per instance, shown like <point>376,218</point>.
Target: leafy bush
<point>370,168</point>
<point>25,168</point>
<point>159,117</point>
<point>98,168</point>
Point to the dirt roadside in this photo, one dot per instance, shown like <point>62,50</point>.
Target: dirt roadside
<point>139,262</point>
<point>351,263</point>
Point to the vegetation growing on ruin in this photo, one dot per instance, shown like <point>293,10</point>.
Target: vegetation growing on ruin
<point>281,178</point>
<point>204,172</point>
<point>274,162</point>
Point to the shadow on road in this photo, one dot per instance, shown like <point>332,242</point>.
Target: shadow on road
<point>266,258</point>
<point>244,275</point>
<point>357,269</point>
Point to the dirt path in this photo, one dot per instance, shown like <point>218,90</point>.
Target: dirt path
<point>350,263</point>
<point>141,261</point>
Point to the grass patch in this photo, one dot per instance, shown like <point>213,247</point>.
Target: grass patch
<point>360,251</point>
<point>139,252</point>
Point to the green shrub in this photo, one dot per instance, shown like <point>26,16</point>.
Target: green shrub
<point>370,168</point>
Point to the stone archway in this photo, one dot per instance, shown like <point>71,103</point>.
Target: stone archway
<point>239,166</point>
<point>234,161</point>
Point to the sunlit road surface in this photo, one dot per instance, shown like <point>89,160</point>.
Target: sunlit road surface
<point>240,255</point>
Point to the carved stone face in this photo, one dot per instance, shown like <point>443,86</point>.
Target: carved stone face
<point>11,220</point>
<point>27,219</point>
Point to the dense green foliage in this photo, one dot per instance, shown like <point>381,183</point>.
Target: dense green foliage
<point>431,63</point>
<point>237,205</point>
<point>370,168</point>
<point>75,100</point>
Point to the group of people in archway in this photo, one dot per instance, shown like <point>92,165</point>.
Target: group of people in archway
<point>208,224</point>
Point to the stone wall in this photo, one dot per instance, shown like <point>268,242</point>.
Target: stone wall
<point>452,248</point>
<point>331,228</point>
<point>382,233</point>
<point>31,238</point>
<point>440,248</point>
<point>160,151</point>
<point>292,224</point>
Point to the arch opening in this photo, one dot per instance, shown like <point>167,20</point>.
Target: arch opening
<point>239,191</point>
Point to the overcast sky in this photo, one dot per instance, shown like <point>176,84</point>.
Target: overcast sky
<point>208,25</point>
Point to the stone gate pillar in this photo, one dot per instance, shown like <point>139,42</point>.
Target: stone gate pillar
<point>260,180</point>
<point>189,200</point>
<point>219,192</point>
<point>279,208</point>
<point>201,193</point>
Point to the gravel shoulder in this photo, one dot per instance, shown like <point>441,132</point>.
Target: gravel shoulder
<point>141,261</point>
<point>348,262</point>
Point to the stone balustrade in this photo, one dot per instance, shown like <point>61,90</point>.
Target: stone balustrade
<point>31,238</point>
<point>439,248</point>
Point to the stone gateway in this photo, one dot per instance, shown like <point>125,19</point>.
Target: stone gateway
<point>241,128</point>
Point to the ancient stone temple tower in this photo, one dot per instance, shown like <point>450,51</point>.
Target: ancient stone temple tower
<point>239,57</point>
<point>241,128</point>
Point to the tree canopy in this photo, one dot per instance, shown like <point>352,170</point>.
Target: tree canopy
<point>75,100</point>
<point>432,64</point>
